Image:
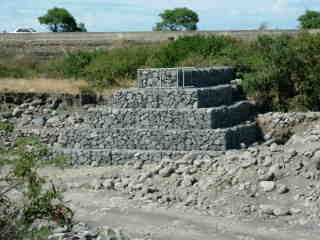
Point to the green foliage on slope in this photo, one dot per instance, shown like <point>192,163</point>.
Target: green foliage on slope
<point>279,72</point>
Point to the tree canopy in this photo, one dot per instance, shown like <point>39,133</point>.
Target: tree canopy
<point>311,19</point>
<point>178,19</point>
<point>60,20</point>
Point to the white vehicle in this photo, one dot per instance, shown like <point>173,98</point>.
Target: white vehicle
<point>24,30</point>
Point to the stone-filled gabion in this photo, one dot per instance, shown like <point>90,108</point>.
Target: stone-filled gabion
<point>158,139</point>
<point>102,157</point>
<point>184,77</point>
<point>206,118</point>
<point>191,98</point>
<point>165,117</point>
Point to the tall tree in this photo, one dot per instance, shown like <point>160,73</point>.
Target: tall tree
<point>178,19</point>
<point>311,19</point>
<point>60,20</point>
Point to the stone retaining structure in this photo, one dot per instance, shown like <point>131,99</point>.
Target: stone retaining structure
<point>150,118</point>
<point>159,139</point>
<point>184,77</point>
<point>174,98</point>
<point>156,121</point>
<point>111,157</point>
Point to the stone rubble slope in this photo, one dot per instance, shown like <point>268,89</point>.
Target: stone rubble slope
<point>277,183</point>
<point>80,231</point>
<point>274,183</point>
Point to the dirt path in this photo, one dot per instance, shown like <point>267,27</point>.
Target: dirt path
<point>148,221</point>
<point>110,209</point>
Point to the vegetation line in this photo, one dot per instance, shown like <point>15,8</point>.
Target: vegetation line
<point>281,73</point>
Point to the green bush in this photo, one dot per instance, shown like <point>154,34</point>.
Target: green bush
<point>73,65</point>
<point>6,127</point>
<point>175,52</point>
<point>121,63</point>
<point>285,74</point>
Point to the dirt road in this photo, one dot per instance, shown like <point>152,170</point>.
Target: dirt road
<point>148,221</point>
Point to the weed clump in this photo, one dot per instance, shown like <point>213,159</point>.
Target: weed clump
<point>38,200</point>
<point>6,127</point>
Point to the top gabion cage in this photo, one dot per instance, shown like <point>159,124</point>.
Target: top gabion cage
<point>181,77</point>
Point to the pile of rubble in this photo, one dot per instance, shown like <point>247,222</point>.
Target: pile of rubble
<point>82,231</point>
<point>279,127</point>
<point>265,182</point>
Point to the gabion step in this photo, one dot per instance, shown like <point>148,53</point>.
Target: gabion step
<point>159,139</point>
<point>157,118</point>
<point>98,157</point>
<point>184,77</point>
<point>191,98</point>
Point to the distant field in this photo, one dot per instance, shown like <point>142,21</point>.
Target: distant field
<point>42,85</point>
<point>43,46</point>
<point>50,85</point>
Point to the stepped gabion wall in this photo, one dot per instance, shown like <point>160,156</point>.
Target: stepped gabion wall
<point>171,112</point>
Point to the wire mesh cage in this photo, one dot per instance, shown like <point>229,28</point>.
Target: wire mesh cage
<point>178,77</point>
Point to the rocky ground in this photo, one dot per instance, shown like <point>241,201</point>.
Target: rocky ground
<point>267,191</point>
<point>264,192</point>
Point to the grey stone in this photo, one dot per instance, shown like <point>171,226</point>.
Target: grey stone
<point>38,121</point>
<point>281,189</point>
<point>274,170</point>
<point>281,211</point>
<point>188,180</point>
<point>166,172</point>
<point>267,161</point>
<point>53,121</point>
<point>109,184</point>
<point>266,209</point>
<point>17,112</point>
<point>248,162</point>
<point>274,147</point>
<point>267,186</point>
<point>96,184</point>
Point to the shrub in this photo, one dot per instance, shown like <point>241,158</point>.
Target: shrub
<point>285,74</point>
<point>40,200</point>
<point>6,127</point>
<point>120,63</point>
<point>177,51</point>
<point>73,65</point>
<point>269,77</point>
